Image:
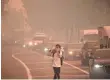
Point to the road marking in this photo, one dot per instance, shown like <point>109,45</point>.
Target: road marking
<point>27,69</point>
<point>64,63</point>
<point>76,68</point>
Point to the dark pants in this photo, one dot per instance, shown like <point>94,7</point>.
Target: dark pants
<point>56,72</point>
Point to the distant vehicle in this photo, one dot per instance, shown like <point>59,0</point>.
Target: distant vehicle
<point>89,39</point>
<point>38,41</point>
<point>104,34</point>
<point>94,39</point>
<point>99,64</point>
<point>73,51</point>
<point>101,35</point>
<point>89,35</point>
<point>86,49</point>
<point>40,38</point>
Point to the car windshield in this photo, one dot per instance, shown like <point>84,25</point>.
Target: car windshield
<point>91,37</point>
<point>92,44</point>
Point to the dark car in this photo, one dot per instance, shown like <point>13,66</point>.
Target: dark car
<point>99,64</point>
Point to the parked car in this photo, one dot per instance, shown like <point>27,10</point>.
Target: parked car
<point>99,64</point>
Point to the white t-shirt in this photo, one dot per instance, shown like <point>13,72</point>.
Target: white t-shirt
<point>56,62</point>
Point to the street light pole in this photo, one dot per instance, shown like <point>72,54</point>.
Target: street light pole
<point>66,42</point>
<point>71,34</point>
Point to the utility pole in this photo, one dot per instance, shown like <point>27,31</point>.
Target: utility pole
<point>71,34</point>
<point>78,34</point>
<point>66,42</point>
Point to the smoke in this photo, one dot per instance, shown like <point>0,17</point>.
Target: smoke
<point>55,16</point>
<point>18,6</point>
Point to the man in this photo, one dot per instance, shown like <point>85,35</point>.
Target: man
<point>57,62</point>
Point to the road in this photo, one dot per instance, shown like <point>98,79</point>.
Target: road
<point>10,68</point>
<point>35,65</point>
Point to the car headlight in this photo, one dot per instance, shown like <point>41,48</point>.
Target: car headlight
<point>45,49</point>
<point>98,66</point>
<point>30,43</point>
<point>15,41</point>
<point>70,52</point>
<point>24,45</point>
<point>35,44</point>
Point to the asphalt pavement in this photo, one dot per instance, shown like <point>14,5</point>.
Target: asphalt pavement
<point>21,63</point>
<point>11,68</point>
